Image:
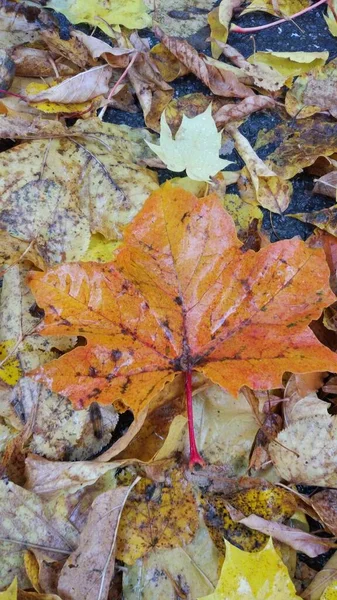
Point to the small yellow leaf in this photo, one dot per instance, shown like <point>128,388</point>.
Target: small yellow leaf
<point>11,592</point>
<point>133,14</point>
<point>330,18</point>
<point>253,576</point>
<point>290,64</point>
<point>241,212</point>
<point>10,371</point>
<point>330,593</point>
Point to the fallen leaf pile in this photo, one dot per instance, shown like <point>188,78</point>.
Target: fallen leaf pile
<point>168,367</point>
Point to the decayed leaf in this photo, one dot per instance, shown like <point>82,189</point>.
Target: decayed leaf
<point>88,571</point>
<point>307,448</point>
<point>194,567</point>
<point>257,576</point>
<point>21,23</point>
<point>314,92</point>
<point>12,593</point>
<point>270,502</point>
<point>298,144</point>
<point>54,192</point>
<point>271,191</point>
<point>102,13</point>
<point>325,219</point>
<point>80,88</point>
<point>195,147</point>
<point>25,522</point>
<point>58,432</point>
<point>19,127</point>
<point>157,516</point>
<point>221,82</point>
<point>135,319</point>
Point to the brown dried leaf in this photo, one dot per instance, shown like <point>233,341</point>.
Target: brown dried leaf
<point>220,81</point>
<point>327,185</point>
<point>88,571</point>
<point>325,504</point>
<point>35,62</point>
<point>238,112</point>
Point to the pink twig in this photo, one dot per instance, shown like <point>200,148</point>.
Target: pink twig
<point>195,458</point>
<point>113,89</point>
<point>238,29</point>
<point>7,93</point>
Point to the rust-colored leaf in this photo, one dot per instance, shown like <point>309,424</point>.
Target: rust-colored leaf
<point>182,296</point>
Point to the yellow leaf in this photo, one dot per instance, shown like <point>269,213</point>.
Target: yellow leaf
<point>102,13</point>
<point>241,212</point>
<point>11,592</point>
<point>290,64</point>
<point>286,8</point>
<point>100,249</point>
<point>253,576</point>
<point>330,593</point>
<point>330,18</point>
<point>157,516</point>
<point>10,371</point>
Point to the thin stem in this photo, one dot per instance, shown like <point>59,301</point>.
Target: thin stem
<point>238,29</point>
<point>7,93</point>
<point>113,89</point>
<point>195,458</point>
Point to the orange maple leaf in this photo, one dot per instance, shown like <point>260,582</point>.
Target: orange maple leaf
<point>182,296</point>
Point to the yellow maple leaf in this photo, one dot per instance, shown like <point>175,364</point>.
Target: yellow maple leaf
<point>330,593</point>
<point>132,14</point>
<point>253,576</point>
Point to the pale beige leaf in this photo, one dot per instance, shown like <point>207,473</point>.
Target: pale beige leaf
<point>80,88</point>
<point>88,571</point>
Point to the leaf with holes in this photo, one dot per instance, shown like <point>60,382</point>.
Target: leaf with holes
<point>182,296</point>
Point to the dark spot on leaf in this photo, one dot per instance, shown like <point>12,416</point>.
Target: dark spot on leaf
<point>92,372</point>
<point>178,300</point>
<point>116,355</point>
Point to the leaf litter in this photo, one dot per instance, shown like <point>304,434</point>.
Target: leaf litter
<point>121,295</point>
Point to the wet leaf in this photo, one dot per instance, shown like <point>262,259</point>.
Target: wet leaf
<point>241,212</point>
<point>325,219</point>
<point>298,144</point>
<point>100,13</point>
<point>290,64</point>
<point>313,92</point>
<point>157,516</point>
<point>272,503</point>
<point>259,576</point>
<point>102,190</point>
<point>133,320</point>
<point>195,147</point>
